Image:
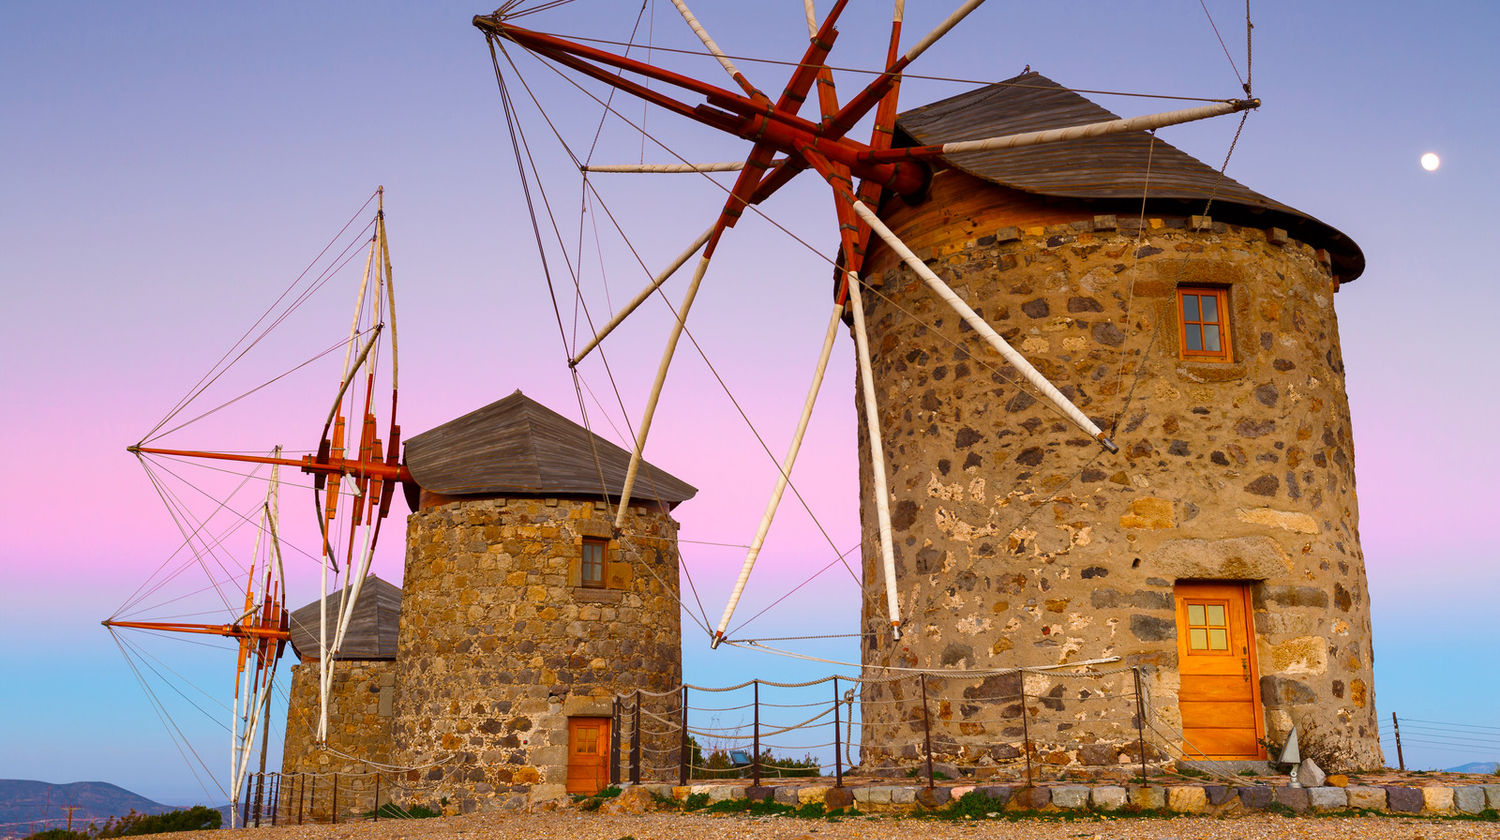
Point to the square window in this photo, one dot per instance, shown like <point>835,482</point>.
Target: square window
<point>1203,323</point>
<point>592,567</point>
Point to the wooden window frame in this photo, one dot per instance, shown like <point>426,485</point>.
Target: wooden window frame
<point>584,565</point>
<point>1221,298</point>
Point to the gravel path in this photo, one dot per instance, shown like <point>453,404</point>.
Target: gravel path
<point>572,825</point>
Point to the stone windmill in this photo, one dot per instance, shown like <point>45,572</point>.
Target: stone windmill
<point>1100,391</point>
<point>1221,546</point>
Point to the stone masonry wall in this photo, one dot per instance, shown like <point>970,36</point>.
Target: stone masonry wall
<point>499,645</point>
<point>359,727</point>
<point>1019,542</point>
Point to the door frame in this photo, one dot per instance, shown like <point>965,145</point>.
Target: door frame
<point>1179,618</point>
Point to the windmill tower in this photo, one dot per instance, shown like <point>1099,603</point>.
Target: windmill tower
<point>525,612</point>
<point>360,707</point>
<point>1220,547</point>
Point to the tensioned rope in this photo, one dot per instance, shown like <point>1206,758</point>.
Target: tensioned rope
<point>904,74</point>
<point>219,367</point>
<point>697,346</point>
<point>759,438</point>
<point>147,588</point>
<point>180,518</point>
<point>519,143</point>
<point>174,732</point>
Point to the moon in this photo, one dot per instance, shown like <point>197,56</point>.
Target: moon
<point>1431,162</point>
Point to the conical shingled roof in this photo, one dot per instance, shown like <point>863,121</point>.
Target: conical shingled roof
<point>1109,168</point>
<point>517,445</point>
<point>372,628</point>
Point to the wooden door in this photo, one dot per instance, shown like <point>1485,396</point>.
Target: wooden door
<point>1220,695</point>
<point>588,754</point>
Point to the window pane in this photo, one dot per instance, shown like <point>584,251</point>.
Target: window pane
<point>592,567</point>
<point>1211,338</point>
<point>1215,615</point>
<point>1218,639</point>
<point>1197,639</point>
<point>1193,336</point>
<point>1211,309</point>
<point>1195,614</point>
<point>1190,307</point>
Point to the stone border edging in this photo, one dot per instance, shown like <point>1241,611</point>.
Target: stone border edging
<point>1206,799</point>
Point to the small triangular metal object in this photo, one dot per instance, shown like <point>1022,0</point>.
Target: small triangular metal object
<point>1291,756</point>
<point>1290,753</point>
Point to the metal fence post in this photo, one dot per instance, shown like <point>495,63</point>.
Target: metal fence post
<point>926,728</point>
<point>838,760</point>
<point>682,770</point>
<point>614,741</point>
<point>333,804</point>
<point>1025,726</point>
<point>1400,759</point>
<point>1140,720</point>
<point>260,794</point>
<point>245,809</point>
<point>302,789</point>
<point>275,796</point>
<point>635,743</point>
<point>377,796</point>
<point>755,755</point>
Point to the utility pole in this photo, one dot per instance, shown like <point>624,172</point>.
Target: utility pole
<point>70,809</point>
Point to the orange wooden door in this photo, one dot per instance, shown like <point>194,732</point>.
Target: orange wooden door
<point>1220,695</point>
<point>588,754</point>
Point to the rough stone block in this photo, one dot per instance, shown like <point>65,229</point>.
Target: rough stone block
<point>785,796</point>
<point>942,770</point>
<point>811,793</point>
<point>1327,798</point>
<point>1469,799</point>
<point>1070,796</point>
<point>1029,798</point>
<point>838,797</point>
<point>1146,798</point>
<point>759,793</point>
<point>879,795</point>
<point>1187,799</point>
<point>1366,797</point>
<point>1256,798</point>
<point>1491,796</point>
<point>1292,797</point>
<point>721,793</point>
<point>1337,780</point>
<point>958,791</point>
<point>1310,774</point>
<point>903,795</point>
<point>1007,234</point>
<point>1404,799</point>
<point>1437,800</point>
<point>999,794</point>
<point>1108,797</point>
<point>1219,794</point>
<point>932,797</point>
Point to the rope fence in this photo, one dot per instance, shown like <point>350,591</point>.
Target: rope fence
<point>1020,723</point>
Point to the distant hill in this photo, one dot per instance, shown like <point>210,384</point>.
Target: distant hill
<point>23,802</point>
<point>1475,767</point>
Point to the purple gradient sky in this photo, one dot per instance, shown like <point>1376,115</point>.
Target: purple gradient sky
<point>169,169</point>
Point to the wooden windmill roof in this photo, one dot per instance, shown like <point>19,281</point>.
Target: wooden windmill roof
<point>1112,167</point>
<point>372,628</point>
<point>517,445</point>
